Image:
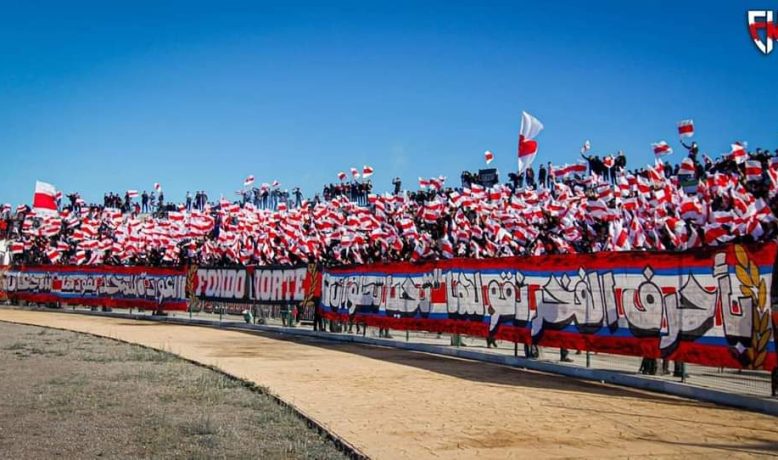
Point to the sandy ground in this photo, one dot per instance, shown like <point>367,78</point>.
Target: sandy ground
<point>398,404</point>
<point>71,395</point>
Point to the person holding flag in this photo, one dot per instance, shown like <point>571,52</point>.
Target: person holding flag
<point>686,129</point>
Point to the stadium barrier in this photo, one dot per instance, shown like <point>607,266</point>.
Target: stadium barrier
<point>708,306</point>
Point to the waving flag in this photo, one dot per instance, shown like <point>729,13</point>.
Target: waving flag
<point>132,193</point>
<point>276,183</point>
<point>528,148</point>
<point>354,173</point>
<point>157,186</point>
<point>686,128</point>
<point>738,153</point>
<point>566,170</point>
<point>488,156</point>
<point>342,176</point>
<point>586,146</point>
<point>44,200</point>
<point>248,181</point>
<point>367,171</point>
<point>753,170</point>
<point>687,167</point>
<point>661,149</point>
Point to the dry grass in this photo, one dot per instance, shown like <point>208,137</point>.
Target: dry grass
<point>73,395</point>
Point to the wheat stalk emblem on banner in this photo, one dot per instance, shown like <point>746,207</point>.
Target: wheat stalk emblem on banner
<point>753,285</point>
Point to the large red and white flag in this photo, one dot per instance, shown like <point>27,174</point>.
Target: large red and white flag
<point>488,156</point>
<point>367,171</point>
<point>132,193</point>
<point>44,201</point>
<point>528,148</point>
<point>248,181</point>
<point>686,128</point>
<point>354,173</point>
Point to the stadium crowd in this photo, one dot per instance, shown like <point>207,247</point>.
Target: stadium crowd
<point>594,205</point>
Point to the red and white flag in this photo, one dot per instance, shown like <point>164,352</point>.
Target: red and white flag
<point>661,149</point>
<point>608,161</point>
<point>44,201</point>
<point>342,176</point>
<point>157,186</point>
<point>528,148</point>
<point>276,183</point>
<point>132,193</point>
<point>687,167</point>
<point>586,146</point>
<point>354,173</point>
<point>367,171</point>
<point>738,153</point>
<point>54,255</point>
<point>488,156</point>
<point>248,181</point>
<point>424,183</point>
<point>686,128</point>
<point>753,170</point>
<point>80,257</point>
<point>17,247</point>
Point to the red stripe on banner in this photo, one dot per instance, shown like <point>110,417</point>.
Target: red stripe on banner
<point>699,258</point>
<point>118,269</point>
<point>99,301</point>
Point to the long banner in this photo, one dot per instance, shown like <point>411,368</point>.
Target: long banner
<point>104,286</point>
<point>257,285</point>
<point>708,306</point>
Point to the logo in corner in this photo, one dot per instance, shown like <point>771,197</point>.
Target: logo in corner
<point>764,31</point>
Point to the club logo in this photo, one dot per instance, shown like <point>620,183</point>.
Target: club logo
<point>763,29</point>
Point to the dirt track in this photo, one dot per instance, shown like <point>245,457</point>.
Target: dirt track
<point>398,404</point>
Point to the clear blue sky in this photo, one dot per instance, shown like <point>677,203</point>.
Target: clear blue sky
<point>106,96</point>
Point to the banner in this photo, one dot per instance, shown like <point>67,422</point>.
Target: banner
<point>257,285</point>
<point>709,306</point>
<point>101,286</point>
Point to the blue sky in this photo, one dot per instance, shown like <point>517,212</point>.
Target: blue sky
<point>99,96</point>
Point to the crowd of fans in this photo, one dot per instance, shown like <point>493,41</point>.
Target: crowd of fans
<point>599,205</point>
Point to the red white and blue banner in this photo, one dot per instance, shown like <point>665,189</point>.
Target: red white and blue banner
<point>709,306</point>
<point>102,286</point>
